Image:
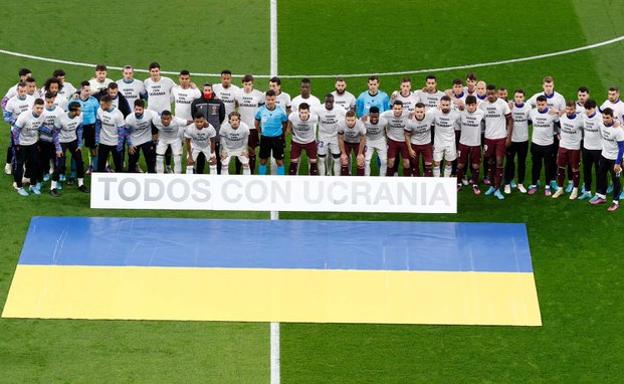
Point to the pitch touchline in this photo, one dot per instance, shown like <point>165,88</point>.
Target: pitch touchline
<point>312,76</point>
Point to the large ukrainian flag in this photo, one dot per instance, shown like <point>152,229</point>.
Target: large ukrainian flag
<point>285,271</point>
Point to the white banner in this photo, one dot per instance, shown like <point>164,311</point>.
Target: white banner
<point>273,193</point>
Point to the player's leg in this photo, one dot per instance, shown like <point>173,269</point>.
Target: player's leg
<point>133,158</point>
<point>588,165</point>
<point>522,151</point>
<point>102,156</point>
<point>161,149</point>
<point>499,159</point>
<point>344,163</point>
<point>393,150</point>
<point>510,166</point>
<point>117,161</point>
<point>415,161</point>
<point>552,162</point>
<point>295,153</point>
<point>168,161</point>
<point>405,159</point>
<point>438,154</point>
<point>322,156</point>
<point>368,156</point>
<point>57,171</point>
<point>76,155</point>
<point>8,168</point>
<point>149,154</point>
<point>278,154</point>
<point>617,187</point>
<point>462,158</point>
<point>549,158</point>
<point>176,151</point>
<point>382,154</point>
<point>88,136</point>
<point>244,160</point>
<point>475,160</point>
<point>311,152</point>
<point>225,164</point>
<point>537,157</point>
<point>575,166</point>
<point>450,154</point>
<point>562,165</point>
<point>264,153</point>
<point>454,163</point>
<point>19,158</point>
<point>32,162</point>
<point>253,144</point>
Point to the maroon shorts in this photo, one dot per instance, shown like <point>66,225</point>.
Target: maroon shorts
<point>466,151</point>
<point>309,148</point>
<point>353,147</point>
<point>569,158</point>
<point>254,139</point>
<point>495,147</point>
<point>426,150</point>
<point>395,147</point>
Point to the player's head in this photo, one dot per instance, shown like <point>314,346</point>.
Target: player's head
<point>548,85</point>
<point>73,108</point>
<point>519,96</point>
<point>207,91</point>
<point>248,83</point>
<point>471,103</point>
<point>373,114</point>
<point>269,98</point>
<point>406,86</point>
<point>471,81</point>
<point>570,108</point>
<point>37,108</point>
<point>49,100</point>
<point>340,85</point>
<point>234,118</point>
<point>373,84</point>
<point>481,88</point>
<point>542,103</point>
<point>139,108</point>
<point>419,111</point>
<point>106,102</point>
<point>154,71</point>
<point>31,85</point>
<point>185,78</point>
<point>582,94</point>
<point>431,83</point>
<point>614,94</point>
<point>100,72</point>
<point>305,87</point>
<point>226,78</point>
<point>304,111</point>
<point>458,87</point>
<point>128,73</point>
<point>503,93</point>
<point>350,119</point>
<point>59,74</point>
<point>590,107</point>
<point>397,108</point>
<point>24,73</point>
<point>21,89</point>
<point>113,90</point>
<point>166,117</point>
<point>491,92</point>
<point>52,85</point>
<point>85,90</point>
<point>607,117</point>
<point>445,104</point>
<point>329,101</point>
<point>199,120</point>
<point>275,84</point>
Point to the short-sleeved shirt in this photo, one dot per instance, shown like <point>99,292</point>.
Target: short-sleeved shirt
<point>68,127</point>
<point>328,121</point>
<point>543,126</point>
<point>520,117</point>
<point>17,106</point>
<point>571,131</point>
<point>271,120</point>
<point>470,127</point>
<point>140,128</point>
<point>170,133</point>
<point>183,98</point>
<point>352,134</point>
<point>248,104</point>
<point>377,131</point>
<point>396,125</point>
<point>49,119</point>
<point>495,118</point>
<point>409,101</point>
<point>159,96</point>
<point>444,124</point>
<point>592,138</point>
<point>132,90</point>
<point>610,138</point>
<point>228,95</point>
<point>431,100</point>
<point>420,129</point>
<point>303,131</point>
<point>111,122</point>
<point>200,138</point>
<point>29,128</point>
<point>283,101</point>
<point>312,101</point>
<point>345,100</point>
<point>234,139</point>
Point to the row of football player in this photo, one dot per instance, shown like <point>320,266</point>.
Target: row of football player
<point>371,97</point>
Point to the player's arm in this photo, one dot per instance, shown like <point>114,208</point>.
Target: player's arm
<point>617,167</point>
<point>362,145</point>
<point>341,146</point>
<point>288,129</point>
<point>222,144</point>
<point>408,139</point>
<point>8,117</point>
<point>15,131</point>
<point>121,135</point>
<point>56,139</point>
<point>79,131</point>
<point>221,112</point>
<point>359,107</point>
<point>189,152</point>
<point>98,128</point>
<point>213,148</point>
<point>509,129</point>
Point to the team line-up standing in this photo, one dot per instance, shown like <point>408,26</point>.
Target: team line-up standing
<point>452,133</point>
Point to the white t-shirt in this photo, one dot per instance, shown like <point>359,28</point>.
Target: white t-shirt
<point>571,131</point>
<point>111,122</point>
<point>470,127</point>
<point>67,90</point>
<point>543,126</point>
<point>29,128</point>
<point>183,98</point>
<point>312,101</point>
<point>248,104</point>
<point>228,95</point>
<point>171,133</point>
<point>592,138</point>
<point>68,127</point>
<point>233,140</point>
<point>610,138</point>
<point>618,109</point>
<point>283,100</point>
<point>328,121</point>
<point>303,132</point>
<point>346,100</point>
<point>431,100</point>
<point>409,101</point>
<point>132,90</point>
<point>495,118</point>
<point>377,131</point>
<point>556,100</point>
<point>396,125</point>
<point>159,95</point>
<point>421,129</point>
<point>520,116</point>
<point>16,106</point>
<point>49,120</point>
<point>96,87</point>
<point>458,99</point>
<point>444,124</point>
<point>200,138</point>
<point>352,134</point>
<point>140,129</point>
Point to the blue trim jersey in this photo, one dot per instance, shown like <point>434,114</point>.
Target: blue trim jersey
<point>271,121</point>
<point>365,101</point>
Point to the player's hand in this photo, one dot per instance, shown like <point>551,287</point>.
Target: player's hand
<point>360,160</point>
<point>508,142</point>
<point>213,159</point>
<point>189,161</point>
<point>223,156</point>
<point>132,150</point>
<point>617,168</point>
<point>344,159</point>
<point>364,118</point>
<point>59,154</point>
<point>412,153</point>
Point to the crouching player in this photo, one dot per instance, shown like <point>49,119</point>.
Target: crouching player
<point>69,128</point>
<point>170,130</point>
<point>569,154</point>
<point>351,138</point>
<point>470,124</point>
<point>235,138</point>
<point>610,160</point>
<point>303,124</point>
<point>418,135</point>
<point>200,146</point>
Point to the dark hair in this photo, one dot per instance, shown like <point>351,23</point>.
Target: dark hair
<point>608,112</point>
<point>113,85</point>
<point>471,76</point>
<point>541,98</point>
<point>397,102</point>
<point>100,67</point>
<point>520,90</point>
<point>49,95</point>
<point>571,103</point>
<point>329,95</point>
<point>431,77</point>
<point>614,89</point>
<point>458,82</point>
<point>583,89</point>
<point>350,114</point>
<point>589,104</point>
<point>406,80</point>
<point>21,84</point>
<point>373,78</point>
<point>490,87</point>
<point>184,72</point>
<point>445,98</point>
<point>234,113</point>
<point>418,105</point>
<point>58,72</point>
<point>471,100</point>
<point>85,84</point>
<point>139,103</point>
<point>73,105</point>
<point>154,65</point>
<point>305,106</point>
<point>165,113</point>
<point>106,99</point>
<point>305,80</point>
<point>270,93</point>
<point>502,89</point>
<point>197,116</point>
<point>247,78</point>
<point>339,78</point>
<point>50,81</point>
<point>31,80</point>
<point>24,72</point>
<point>275,80</point>
<point>39,101</point>
<point>226,72</point>
<point>373,110</point>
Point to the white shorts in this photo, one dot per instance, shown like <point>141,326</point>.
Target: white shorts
<point>242,157</point>
<point>328,145</point>
<point>176,147</point>
<point>195,151</point>
<point>378,145</point>
<point>446,151</point>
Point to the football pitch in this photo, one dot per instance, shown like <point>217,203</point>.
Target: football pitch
<point>576,249</point>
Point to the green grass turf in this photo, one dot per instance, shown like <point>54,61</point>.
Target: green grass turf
<point>578,272</point>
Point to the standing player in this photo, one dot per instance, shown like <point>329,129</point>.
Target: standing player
<point>69,127</point>
<point>376,127</point>
<point>110,130</point>
<point>303,127</point>
<point>31,88</point>
<point>498,132</point>
<point>329,116</point>
<point>213,110</point>
<point>67,89</point>
<point>141,131</point>
<point>271,122</point>
<point>457,95</point>
<point>170,132</point>
<point>53,86</point>
<point>234,137</point>
<point>89,107</point>
<point>481,90</point>
<point>25,133</point>
<point>119,100</point>
<point>470,122</point>
<point>342,97</point>
<point>397,123</point>
<point>131,88</point>
<point>249,100</point>
<point>613,101</point>
<point>184,95</point>
<point>519,146</point>
<point>610,160</point>
<point>582,95</point>
<point>592,146</point>
<point>418,134</point>
<point>16,105</point>
<point>200,146</point>
<point>48,137</point>
<point>100,82</point>
<point>471,84</point>
<point>569,155</point>
<point>542,142</point>
<point>226,92</point>
<point>158,89</point>
<point>503,94</point>
<point>405,95</point>
<point>282,99</point>
<point>351,138</point>
<point>430,95</point>
<point>23,74</point>
<point>373,97</point>
<point>305,96</point>
<point>444,121</point>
